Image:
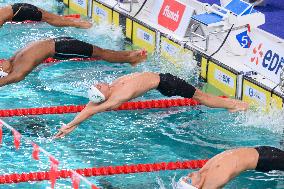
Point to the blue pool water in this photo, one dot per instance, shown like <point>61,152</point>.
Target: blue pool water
<point>127,137</point>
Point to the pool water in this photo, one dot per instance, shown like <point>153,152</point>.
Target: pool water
<point>127,137</point>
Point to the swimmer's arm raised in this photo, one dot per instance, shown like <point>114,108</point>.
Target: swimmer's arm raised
<point>88,111</point>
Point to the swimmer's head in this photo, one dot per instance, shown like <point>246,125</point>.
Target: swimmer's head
<point>195,179</point>
<point>99,93</point>
<point>185,183</point>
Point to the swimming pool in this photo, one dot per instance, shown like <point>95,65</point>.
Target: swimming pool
<point>127,137</point>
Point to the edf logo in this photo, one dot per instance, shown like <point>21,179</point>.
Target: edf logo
<point>273,61</point>
<point>226,79</point>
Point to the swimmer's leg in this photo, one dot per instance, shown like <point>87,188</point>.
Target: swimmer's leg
<point>209,100</point>
<point>60,21</point>
<point>133,57</point>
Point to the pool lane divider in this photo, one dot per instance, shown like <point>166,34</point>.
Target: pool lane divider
<point>53,60</point>
<point>52,174</point>
<point>148,104</point>
<point>103,171</point>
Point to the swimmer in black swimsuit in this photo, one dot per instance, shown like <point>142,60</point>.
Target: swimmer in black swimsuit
<point>20,12</point>
<point>223,167</point>
<point>105,96</point>
<point>23,62</point>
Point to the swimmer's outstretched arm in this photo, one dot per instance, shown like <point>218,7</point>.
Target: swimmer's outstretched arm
<point>87,112</point>
<point>11,78</point>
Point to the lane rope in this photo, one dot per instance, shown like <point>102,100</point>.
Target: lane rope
<point>53,60</point>
<point>148,104</point>
<point>103,171</point>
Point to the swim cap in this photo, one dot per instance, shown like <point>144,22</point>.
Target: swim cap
<point>95,95</point>
<point>2,73</point>
<point>185,183</point>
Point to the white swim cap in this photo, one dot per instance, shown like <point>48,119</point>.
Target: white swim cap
<point>95,95</point>
<point>2,73</point>
<point>183,184</point>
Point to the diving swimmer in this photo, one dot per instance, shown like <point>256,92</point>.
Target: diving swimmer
<point>20,12</point>
<point>223,167</point>
<point>105,96</point>
<point>23,62</point>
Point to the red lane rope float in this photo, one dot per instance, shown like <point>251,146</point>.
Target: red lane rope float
<point>149,104</point>
<point>103,171</point>
<point>53,60</point>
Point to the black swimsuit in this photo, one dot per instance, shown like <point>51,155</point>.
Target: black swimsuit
<point>24,11</point>
<point>68,47</point>
<point>173,86</point>
<point>270,158</point>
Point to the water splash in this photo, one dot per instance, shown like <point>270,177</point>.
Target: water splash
<point>173,183</point>
<point>113,33</point>
<point>271,120</point>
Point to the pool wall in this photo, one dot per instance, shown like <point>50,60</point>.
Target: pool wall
<point>225,75</point>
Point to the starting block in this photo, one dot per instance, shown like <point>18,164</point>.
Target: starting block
<point>219,19</point>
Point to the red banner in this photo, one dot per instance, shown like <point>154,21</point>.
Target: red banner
<point>171,14</point>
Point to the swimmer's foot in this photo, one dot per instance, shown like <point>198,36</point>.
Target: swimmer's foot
<point>138,56</point>
<point>84,24</point>
<point>239,106</point>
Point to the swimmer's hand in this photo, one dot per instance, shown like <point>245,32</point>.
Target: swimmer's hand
<point>64,130</point>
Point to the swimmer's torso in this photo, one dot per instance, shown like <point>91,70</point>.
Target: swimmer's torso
<point>32,55</point>
<point>133,85</point>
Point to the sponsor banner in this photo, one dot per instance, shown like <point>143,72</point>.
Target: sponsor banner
<point>222,79</point>
<point>169,49</point>
<point>173,15</point>
<point>144,37</point>
<point>81,3</point>
<point>174,52</point>
<point>101,13</point>
<point>79,6</point>
<point>266,57</point>
<point>255,94</point>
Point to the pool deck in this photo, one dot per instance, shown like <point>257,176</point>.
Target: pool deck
<point>274,13</point>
